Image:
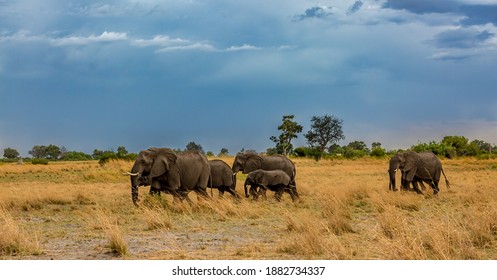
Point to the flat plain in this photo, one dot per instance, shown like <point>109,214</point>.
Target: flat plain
<point>81,210</point>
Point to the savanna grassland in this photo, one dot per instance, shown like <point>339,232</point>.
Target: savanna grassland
<point>81,210</point>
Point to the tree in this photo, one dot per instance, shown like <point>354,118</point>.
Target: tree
<point>75,156</point>
<point>97,154</point>
<point>53,152</point>
<point>192,146</point>
<point>38,151</point>
<point>223,152</point>
<point>48,152</point>
<point>482,146</point>
<point>289,130</point>
<point>121,152</point>
<point>10,153</point>
<point>358,145</point>
<point>325,131</point>
<point>377,150</point>
<point>375,145</point>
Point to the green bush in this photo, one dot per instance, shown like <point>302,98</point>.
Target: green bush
<point>378,152</point>
<point>106,157</point>
<point>39,161</point>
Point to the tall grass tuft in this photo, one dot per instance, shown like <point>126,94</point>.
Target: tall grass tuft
<point>13,239</point>
<point>157,215</point>
<point>117,244</point>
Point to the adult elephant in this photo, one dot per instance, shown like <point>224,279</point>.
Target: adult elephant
<point>222,177</point>
<point>248,162</point>
<point>177,174</point>
<point>416,168</point>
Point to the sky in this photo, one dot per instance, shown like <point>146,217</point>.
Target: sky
<point>101,74</point>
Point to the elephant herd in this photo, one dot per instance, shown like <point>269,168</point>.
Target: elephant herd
<point>180,173</point>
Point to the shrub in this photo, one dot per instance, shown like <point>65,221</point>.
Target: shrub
<point>378,152</point>
<point>39,161</point>
<point>106,156</point>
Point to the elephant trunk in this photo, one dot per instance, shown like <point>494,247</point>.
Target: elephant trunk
<point>245,188</point>
<point>394,165</point>
<point>391,185</point>
<point>134,195</point>
<point>135,183</point>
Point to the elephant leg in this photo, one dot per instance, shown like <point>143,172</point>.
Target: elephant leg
<point>435,187</point>
<point>203,193</point>
<point>221,191</point>
<point>253,191</point>
<point>262,191</point>
<point>177,195</point>
<point>233,192</point>
<point>155,188</point>
<point>422,185</point>
<point>292,190</point>
<point>404,185</point>
<point>294,184</point>
<point>279,194</point>
<point>416,187</point>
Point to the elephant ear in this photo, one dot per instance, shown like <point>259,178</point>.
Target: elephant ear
<point>253,162</point>
<point>165,158</point>
<point>411,165</point>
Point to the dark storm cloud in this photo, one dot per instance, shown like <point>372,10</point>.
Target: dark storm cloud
<point>462,38</point>
<point>355,7</point>
<point>422,6</point>
<point>474,14</point>
<point>314,12</point>
<point>479,14</point>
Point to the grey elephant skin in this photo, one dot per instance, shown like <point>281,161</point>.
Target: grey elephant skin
<point>274,180</point>
<point>416,168</point>
<point>248,162</point>
<point>223,178</point>
<point>174,173</point>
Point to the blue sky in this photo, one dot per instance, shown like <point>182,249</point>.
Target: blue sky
<point>101,74</point>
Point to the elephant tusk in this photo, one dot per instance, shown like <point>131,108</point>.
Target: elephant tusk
<point>131,174</point>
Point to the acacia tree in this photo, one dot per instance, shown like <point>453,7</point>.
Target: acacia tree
<point>192,146</point>
<point>10,153</point>
<point>325,131</point>
<point>289,130</point>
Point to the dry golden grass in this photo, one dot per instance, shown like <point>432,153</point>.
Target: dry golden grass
<point>14,240</point>
<point>82,210</point>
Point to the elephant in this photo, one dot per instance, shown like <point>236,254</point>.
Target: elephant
<point>248,162</point>
<point>164,170</point>
<point>274,180</point>
<point>222,177</point>
<point>416,168</point>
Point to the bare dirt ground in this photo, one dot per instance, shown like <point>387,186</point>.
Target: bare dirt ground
<point>84,211</point>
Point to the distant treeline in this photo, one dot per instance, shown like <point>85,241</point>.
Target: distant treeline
<point>322,138</point>
<point>449,147</point>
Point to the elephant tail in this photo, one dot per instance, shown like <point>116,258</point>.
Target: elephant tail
<point>210,185</point>
<point>447,183</point>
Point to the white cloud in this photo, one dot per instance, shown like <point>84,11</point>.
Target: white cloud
<point>244,47</point>
<point>189,47</point>
<point>160,40</point>
<point>22,36</point>
<point>105,37</point>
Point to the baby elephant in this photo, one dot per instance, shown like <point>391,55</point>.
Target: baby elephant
<point>275,180</point>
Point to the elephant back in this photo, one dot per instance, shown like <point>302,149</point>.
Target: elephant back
<point>279,162</point>
<point>191,168</point>
<point>221,173</point>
